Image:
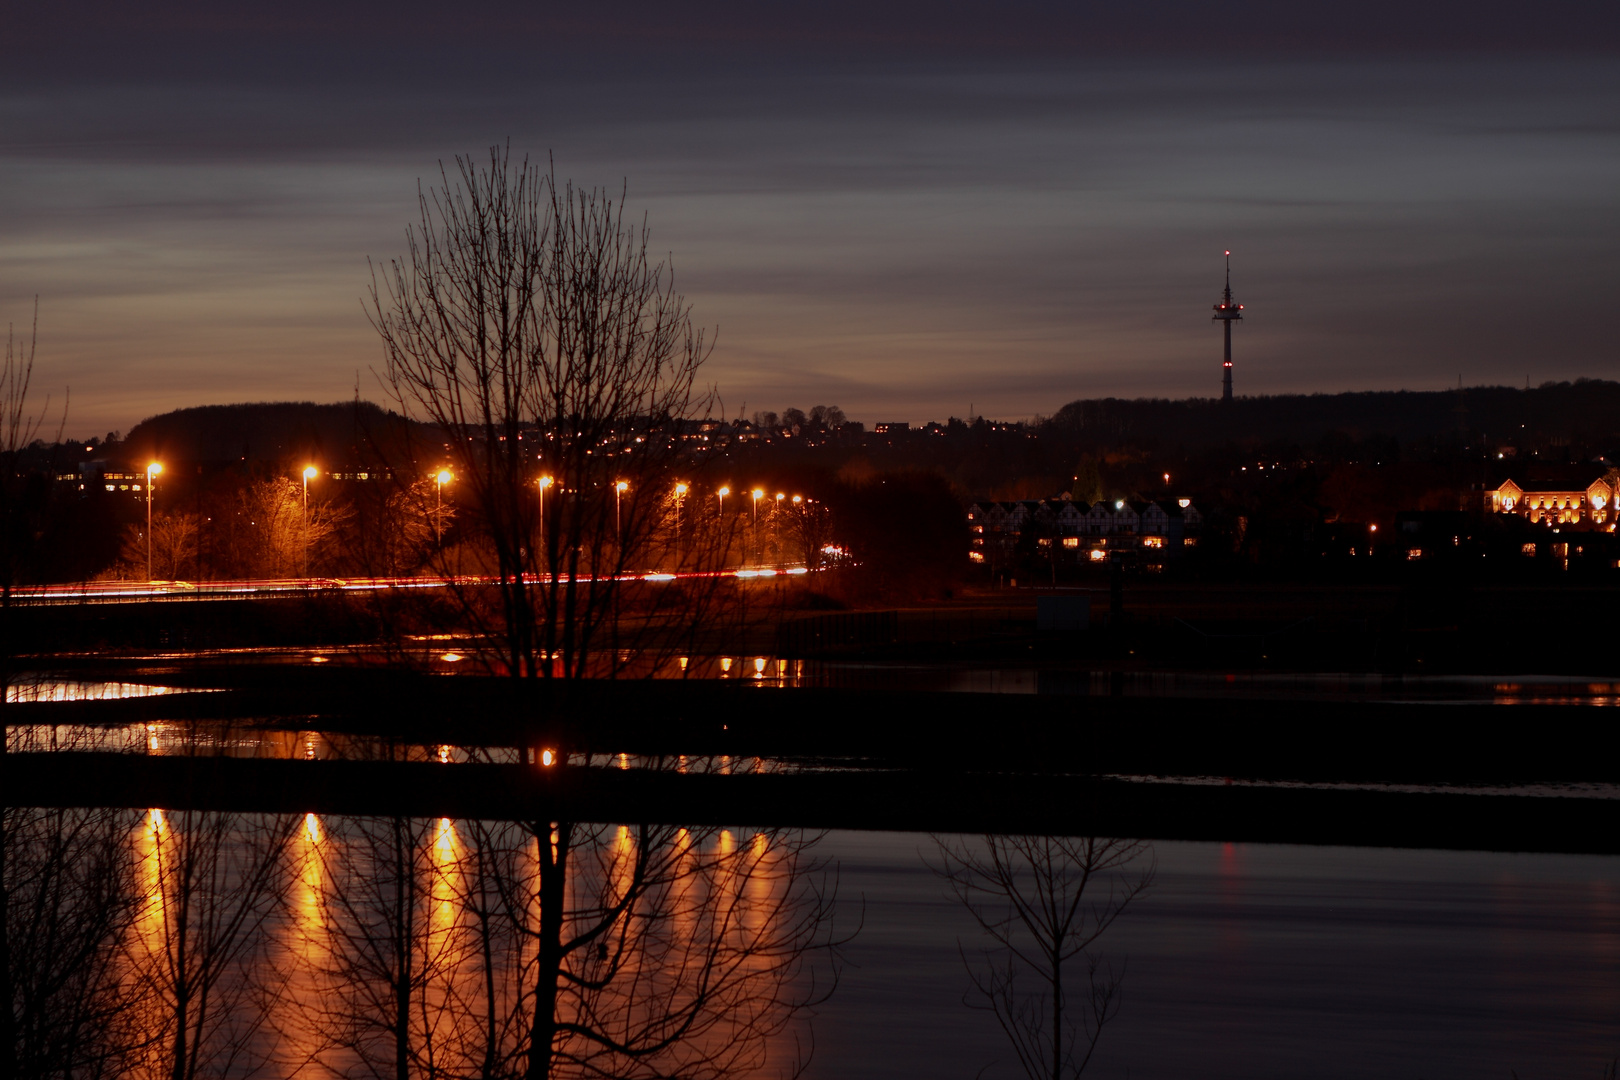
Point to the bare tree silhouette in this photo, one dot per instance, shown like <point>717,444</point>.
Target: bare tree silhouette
<point>211,882</point>
<point>530,325</point>
<point>24,495</point>
<point>473,950</point>
<point>67,905</point>
<point>1043,902</point>
<point>384,954</point>
<point>659,951</point>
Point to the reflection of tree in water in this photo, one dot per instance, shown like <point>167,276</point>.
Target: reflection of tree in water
<point>499,950</point>
<point>64,909</point>
<point>1043,902</point>
<point>210,883</point>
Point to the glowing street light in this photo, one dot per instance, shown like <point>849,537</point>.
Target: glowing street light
<point>443,477</point>
<point>680,495</point>
<point>619,488</point>
<point>721,494</point>
<point>310,473</point>
<point>543,483</point>
<point>151,470</point>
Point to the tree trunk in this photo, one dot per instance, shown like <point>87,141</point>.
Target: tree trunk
<point>553,882</point>
<point>404,920</point>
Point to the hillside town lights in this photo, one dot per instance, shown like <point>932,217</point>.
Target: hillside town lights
<point>151,470</point>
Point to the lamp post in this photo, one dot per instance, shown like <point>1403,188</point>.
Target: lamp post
<point>619,488</point>
<point>310,473</point>
<point>152,470</point>
<point>543,483</point>
<point>776,524</point>
<point>721,494</point>
<point>758,494</point>
<point>680,496</point>
<point>444,477</point>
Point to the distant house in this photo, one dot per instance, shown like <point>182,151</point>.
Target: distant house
<point>1086,532</point>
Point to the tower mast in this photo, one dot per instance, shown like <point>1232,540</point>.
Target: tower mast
<point>1226,313</point>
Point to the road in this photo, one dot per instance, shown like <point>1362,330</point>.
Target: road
<point>121,592</point>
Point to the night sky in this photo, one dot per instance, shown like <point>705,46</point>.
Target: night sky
<point>907,210</point>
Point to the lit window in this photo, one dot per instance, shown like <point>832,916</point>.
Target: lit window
<point>1071,541</point>
<point>1098,555</point>
<point>1414,553</point>
<point>1529,549</point>
<point>976,556</point>
<point>1153,541</point>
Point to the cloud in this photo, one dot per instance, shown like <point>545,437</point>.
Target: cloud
<point>903,236</point>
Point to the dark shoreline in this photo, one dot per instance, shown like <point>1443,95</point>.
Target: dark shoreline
<point>970,802</point>
<point>925,731</point>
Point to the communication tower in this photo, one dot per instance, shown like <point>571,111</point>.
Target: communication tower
<point>1226,313</point>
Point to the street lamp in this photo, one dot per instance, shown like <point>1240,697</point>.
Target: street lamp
<point>444,477</point>
<point>619,488</point>
<point>310,473</point>
<point>680,494</point>
<point>151,470</point>
<point>722,493</point>
<point>543,483</point>
<point>758,494</point>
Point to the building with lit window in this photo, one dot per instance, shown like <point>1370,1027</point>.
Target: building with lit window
<point>1087,532</point>
<point>1592,506</point>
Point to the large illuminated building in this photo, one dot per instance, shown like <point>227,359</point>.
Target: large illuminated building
<point>1593,507</point>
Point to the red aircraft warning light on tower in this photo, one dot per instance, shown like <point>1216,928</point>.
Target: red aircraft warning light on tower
<point>1226,313</point>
